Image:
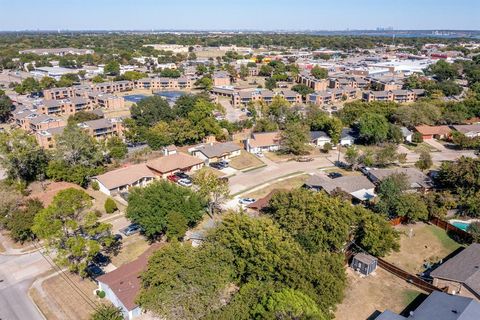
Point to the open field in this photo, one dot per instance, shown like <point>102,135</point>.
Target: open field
<point>377,292</point>
<point>427,244</point>
<point>287,183</point>
<point>245,160</point>
<point>57,299</point>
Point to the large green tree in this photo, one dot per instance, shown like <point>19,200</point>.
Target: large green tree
<point>295,138</point>
<point>373,128</point>
<point>215,190</point>
<point>150,110</point>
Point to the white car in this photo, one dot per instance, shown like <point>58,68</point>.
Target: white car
<point>246,201</point>
<point>185,182</point>
<point>259,154</point>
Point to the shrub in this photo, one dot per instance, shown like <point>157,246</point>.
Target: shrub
<point>327,147</point>
<point>417,137</point>
<point>110,206</point>
<point>101,294</point>
<point>95,185</point>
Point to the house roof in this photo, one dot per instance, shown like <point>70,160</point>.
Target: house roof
<point>416,178</point>
<point>433,130</point>
<point>265,139</point>
<point>125,281</point>
<point>357,186</point>
<point>46,196</point>
<point>365,258</point>
<point>314,135</point>
<point>176,161</point>
<point>463,267</point>
<point>347,133</point>
<point>405,132</point>
<point>467,128</point>
<point>263,202</point>
<point>124,176</point>
<point>389,315</point>
<point>218,149</point>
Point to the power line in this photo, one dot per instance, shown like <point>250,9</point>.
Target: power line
<point>69,281</point>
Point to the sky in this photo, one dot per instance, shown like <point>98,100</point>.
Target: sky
<point>235,14</point>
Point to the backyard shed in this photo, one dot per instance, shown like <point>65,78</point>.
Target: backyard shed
<point>364,263</point>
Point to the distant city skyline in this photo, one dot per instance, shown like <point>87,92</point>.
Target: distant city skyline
<point>265,15</point>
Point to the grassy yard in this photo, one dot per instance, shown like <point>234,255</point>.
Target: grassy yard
<point>132,248</point>
<point>287,183</point>
<point>428,243</point>
<point>245,160</point>
<point>59,301</point>
<point>419,147</point>
<point>377,292</point>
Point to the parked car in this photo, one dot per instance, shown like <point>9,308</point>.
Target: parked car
<point>131,229</point>
<point>101,259</point>
<point>117,237</point>
<point>259,154</point>
<point>182,175</point>
<point>364,170</point>
<point>334,175</point>
<point>217,165</point>
<point>304,159</point>
<point>173,178</point>
<point>94,271</point>
<point>246,201</point>
<point>185,182</point>
<point>224,163</point>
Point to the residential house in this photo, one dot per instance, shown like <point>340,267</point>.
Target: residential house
<point>433,132</point>
<point>417,179</point>
<point>122,285</point>
<point>319,138</point>
<point>461,273</point>
<point>168,165</point>
<point>407,134</point>
<point>347,137</point>
<point>263,142</point>
<point>122,179</point>
<point>469,130</point>
<point>358,187</point>
<point>439,306</point>
<point>214,152</point>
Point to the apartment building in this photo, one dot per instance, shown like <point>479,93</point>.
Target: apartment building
<point>354,82</point>
<point>46,138</point>
<point>113,87</point>
<point>57,51</point>
<point>400,96</point>
<point>181,83</point>
<point>221,78</point>
<point>385,83</point>
<point>240,98</point>
<point>65,106</point>
<point>59,93</point>
<point>310,81</point>
<point>107,101</point>
<point>330,96</point>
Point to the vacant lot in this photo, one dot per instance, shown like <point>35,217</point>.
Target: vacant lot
<point>283,183</point>
<point>377,292</point>
<point>421,243</point>
<point>57,300</point>
<point>245,160</point>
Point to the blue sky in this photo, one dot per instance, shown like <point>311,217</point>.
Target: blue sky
<point>235,14</point>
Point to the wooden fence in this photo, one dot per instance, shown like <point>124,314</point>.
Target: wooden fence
<point>457,233</point>
<point>410,278</point>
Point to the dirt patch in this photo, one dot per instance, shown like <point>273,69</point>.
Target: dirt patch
<point>378,292</point>
<point>59,301</point>
<point>244,161</point>
<point>287,184</point>
<point>420,243</point>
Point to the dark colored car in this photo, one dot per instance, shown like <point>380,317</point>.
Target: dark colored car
<point>182,175</point>
<point>101,260</point>
<point>217,165</point>
<point>94,271</point>
<point>132,229</point>
<point>117,237</point>
<point>334,175</point>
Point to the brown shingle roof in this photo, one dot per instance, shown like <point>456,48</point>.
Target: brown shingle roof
<point>125,176</point>
<point>177,161</point>
<point>432,130</point>
<point>265,139</point>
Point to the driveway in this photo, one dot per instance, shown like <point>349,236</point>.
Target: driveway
<point>232,114</point>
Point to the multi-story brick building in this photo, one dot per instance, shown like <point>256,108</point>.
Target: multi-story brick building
<point>400,96</point>
<point>312,82</point>
<point>333,95</point>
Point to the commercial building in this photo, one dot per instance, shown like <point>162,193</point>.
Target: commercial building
<point>57,51</point>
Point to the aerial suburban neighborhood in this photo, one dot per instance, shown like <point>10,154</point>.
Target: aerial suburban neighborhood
<point>204,161</point>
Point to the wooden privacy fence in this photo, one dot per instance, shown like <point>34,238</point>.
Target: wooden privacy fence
<point>461,235</point>
<point>413,279</point>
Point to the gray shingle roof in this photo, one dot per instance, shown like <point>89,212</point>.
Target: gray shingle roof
<point>218,149</point>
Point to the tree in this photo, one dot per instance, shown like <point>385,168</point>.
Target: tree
<point>319,73</point>
<point>82,116</point>
<point>295,137</point>
<point>425,161</point>
<point>317,221</point>
<point>73,233</point>
<point>117,149</point>
<point>215,190</point>
<point>148,111</point>
<point>160,135</point>
<point>474,230</point>
<point>386,155</point>
<point>107,312</point>
<point>265,71</point>
<point>443,70</point>
<point>302,89</point>
<point>412,207</point>
<point>243,72</point>
<point>352,156</point>
<point>373,128</point>
<point>375,234</point>
<point>270,83</point>
<point>98,79</point>
<point>20,221</point>
<point>205,83</point>
<point>134,75</point>
<point>464,174</point>
<point>182,282</point>
<point>21,156</point>
<point>112,68</point>
<point>149,206</point>
<point>110,205</point>
<point>6,107</point>
<point>177,225</point>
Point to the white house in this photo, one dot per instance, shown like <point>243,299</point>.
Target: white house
<point>120,180</point>
<point>319,138</point>
<point>347,137</point>
<point>263,142</point>
<point>407,134</point>
<point>469,130</point>
<point>213,152</point>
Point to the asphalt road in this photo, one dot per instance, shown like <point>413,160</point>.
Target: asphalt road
<point>16,275</point>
